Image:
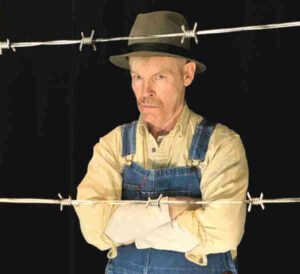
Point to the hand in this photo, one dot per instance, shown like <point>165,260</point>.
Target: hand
<point>176,210</point>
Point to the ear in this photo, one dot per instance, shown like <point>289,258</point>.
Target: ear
<point>189,73</point>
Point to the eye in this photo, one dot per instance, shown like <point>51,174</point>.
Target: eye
<point>136,77</point>
<point>160,76</point>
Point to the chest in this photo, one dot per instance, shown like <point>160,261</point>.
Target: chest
<point>140,183</point>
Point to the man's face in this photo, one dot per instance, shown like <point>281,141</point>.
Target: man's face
<point>159,89</point>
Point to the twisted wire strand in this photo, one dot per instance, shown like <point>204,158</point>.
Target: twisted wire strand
<point>151,202</point>
<point>184,34</point>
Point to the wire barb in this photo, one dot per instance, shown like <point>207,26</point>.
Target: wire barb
<point>6,45</point>
<point>255,201</point>
<point>64,202</point>
<point>87,41</point>
<point>189,33</point>
<point>154,202</point>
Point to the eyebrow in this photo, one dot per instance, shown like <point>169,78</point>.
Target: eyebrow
<point>164,70</point>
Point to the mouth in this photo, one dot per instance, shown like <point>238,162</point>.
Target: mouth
<point>149,106</point>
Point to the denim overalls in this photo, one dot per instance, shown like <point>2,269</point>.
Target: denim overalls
<point>139,184</point>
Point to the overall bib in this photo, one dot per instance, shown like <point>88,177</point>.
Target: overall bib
<point>139,184</point>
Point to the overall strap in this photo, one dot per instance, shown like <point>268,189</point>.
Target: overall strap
<point>201,139</point>
<point>129,138</point>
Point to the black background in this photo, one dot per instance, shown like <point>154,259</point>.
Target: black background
<point>56,102</point>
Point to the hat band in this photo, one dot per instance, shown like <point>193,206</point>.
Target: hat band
<point>160,47</point>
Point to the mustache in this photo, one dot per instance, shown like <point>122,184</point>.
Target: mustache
<point>149,101</point>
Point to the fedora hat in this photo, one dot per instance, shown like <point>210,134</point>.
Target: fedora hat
<point>159,22</point>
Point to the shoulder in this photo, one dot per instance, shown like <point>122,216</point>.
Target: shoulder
<point>117,131</point>
<point>112,136</point>
<point>113,139</point>
<point>222,135</point>
<point>221,131</point>
<point>227,142</point>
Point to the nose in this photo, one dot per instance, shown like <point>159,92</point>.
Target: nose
<point>147,90</point>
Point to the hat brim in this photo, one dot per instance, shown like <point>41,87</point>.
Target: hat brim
<point>122,60</point>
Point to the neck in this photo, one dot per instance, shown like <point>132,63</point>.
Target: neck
<point>165,127</point>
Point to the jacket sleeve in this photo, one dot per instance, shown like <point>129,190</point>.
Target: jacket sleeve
<point>219,227</point>
<point>102,182</point>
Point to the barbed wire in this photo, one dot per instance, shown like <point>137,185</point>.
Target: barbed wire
<point>184,34</point>
<point>150,202</point>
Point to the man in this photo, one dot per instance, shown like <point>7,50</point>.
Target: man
<point>171,151</point>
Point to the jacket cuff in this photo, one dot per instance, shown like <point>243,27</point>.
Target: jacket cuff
<point>187,220</point>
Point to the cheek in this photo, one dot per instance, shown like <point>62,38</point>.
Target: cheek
<point>170,97</point>
<point>135,91</point>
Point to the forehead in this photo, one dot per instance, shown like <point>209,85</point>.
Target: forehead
<point>153,65</point>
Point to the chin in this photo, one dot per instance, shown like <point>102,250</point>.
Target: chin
<point>149,118</point>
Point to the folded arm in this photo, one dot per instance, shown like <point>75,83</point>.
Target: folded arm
<point>220,227</point>
<point>133,221</point>
<point>151,226</point>
<point>213,228</point>
<point>102,181</point>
